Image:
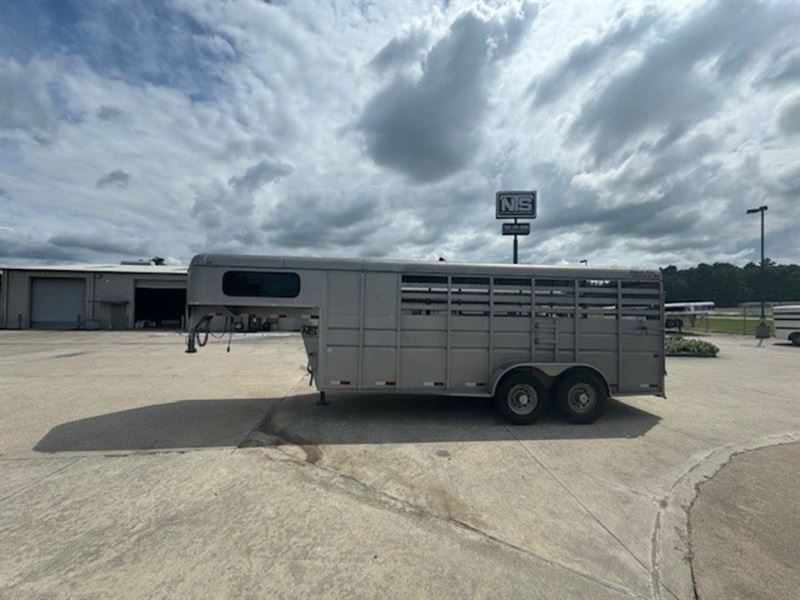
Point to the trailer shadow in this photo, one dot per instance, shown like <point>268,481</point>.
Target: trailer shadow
<point>350,419</point>
<point>175,425</point>
<point>398,419</point>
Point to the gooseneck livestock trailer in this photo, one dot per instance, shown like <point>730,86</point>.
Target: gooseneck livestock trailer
<point>519,334</point>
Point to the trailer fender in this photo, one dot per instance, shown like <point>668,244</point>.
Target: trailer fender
<point>550,371</point>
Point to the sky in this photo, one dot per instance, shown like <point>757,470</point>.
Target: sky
<point>383,129</point>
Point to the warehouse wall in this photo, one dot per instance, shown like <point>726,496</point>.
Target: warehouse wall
<point>117,292</point>
<point>17,294</point>
<point>112,289</point>
<point>109,296</point>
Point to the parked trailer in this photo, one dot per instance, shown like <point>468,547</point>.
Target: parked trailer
<point>676,312</point>
<point>787,322</point>
<point>517,333</point>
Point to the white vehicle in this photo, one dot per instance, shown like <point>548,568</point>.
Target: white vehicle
<point>787,322</point>
<point>678,313</point>
<point>516,333</point>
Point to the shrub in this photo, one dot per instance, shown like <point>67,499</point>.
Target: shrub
<point>677,345</point>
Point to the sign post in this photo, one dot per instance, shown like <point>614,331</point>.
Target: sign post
<point>762,330</point>
<point>515,205</point>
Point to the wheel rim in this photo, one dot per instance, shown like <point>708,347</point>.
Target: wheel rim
<point>581,398</point>
<point>523,399</point>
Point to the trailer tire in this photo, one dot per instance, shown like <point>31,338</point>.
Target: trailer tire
<point>795,339</point>
<point>581,397</point>
<point>521,398</point>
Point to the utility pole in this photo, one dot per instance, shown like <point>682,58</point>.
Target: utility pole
<point>762,331</point>
<point>515,246</point>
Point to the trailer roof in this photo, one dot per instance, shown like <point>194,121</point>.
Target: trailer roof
<point>150,269</point>
<point>401,266</point>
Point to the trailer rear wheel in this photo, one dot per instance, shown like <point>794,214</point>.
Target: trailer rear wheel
<point>795,339</point>
<point>521,398</point>
<point>581,397</point>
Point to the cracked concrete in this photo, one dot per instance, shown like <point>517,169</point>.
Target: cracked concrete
<point>750,509</point>
<point>130,469</point>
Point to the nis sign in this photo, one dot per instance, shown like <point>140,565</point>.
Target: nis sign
<point>516,228</point>
<point>515,205</point>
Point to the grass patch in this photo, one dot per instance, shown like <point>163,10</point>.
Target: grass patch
<point>728,325</point>
<point>677,345</point>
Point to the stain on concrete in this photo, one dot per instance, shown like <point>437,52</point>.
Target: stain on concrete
<point>454,509</point>
<point>267,435</point>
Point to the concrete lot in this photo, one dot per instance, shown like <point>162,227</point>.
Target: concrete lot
<point>130,469</point>
<point>751,511</point>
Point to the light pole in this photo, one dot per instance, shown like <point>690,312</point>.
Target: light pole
<point>762,331</point>
<point>584,262</point>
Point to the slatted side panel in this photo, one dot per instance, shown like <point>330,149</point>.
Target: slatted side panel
<point>554,323</point>
<point>597,337</point>
<point>470,301</point>
<point>418,332</point>
<point>511,325</point>
<point>423,331</point>
<point>641,337</point>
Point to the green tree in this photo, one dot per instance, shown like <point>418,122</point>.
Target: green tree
<point>728,285</point>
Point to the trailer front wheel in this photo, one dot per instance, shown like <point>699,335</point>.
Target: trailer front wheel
<point>581,397</point>
<point>521,398</point>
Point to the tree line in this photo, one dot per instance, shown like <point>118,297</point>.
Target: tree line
<point>728,285</point>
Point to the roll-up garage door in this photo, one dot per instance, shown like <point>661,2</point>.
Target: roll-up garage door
<point>160,303</point>
<point>57,303</point>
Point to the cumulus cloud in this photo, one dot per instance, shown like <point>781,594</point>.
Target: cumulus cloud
<point>227,211</point>
<point>95,246</point>
<point>670,88</point>
<point>321,222</point>
<point>259,175</point>
<point>18,247</point>
<point>281,128</point>
<point>108,113</point>
<point>100,243</point>
<point>402,50</point>
<point>782,69</point>
<point>116,178</point>
<point>25,100</point>
<point>430,127</point>
<point>789,115</point>
<point>590,54</point>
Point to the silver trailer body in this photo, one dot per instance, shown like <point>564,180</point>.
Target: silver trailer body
<point>447,328</point>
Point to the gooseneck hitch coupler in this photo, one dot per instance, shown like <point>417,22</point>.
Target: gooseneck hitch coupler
<point>202,327</point>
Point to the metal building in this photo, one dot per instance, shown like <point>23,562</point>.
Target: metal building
<point>93,297</point>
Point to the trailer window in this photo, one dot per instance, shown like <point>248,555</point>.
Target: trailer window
<point>260,283</point>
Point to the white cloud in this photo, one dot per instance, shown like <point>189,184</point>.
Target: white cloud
<point>25,102</point>
<point>117,177</point>
<point>789,115</point>
<point>384,130</point>
<point>430,127</point>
